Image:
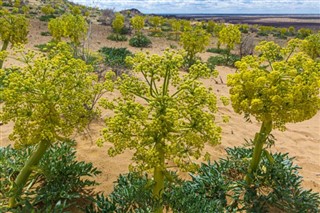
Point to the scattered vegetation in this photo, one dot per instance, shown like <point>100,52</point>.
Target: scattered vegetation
<point>163,116</point>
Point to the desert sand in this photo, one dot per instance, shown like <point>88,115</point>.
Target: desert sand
<point>301,140</point>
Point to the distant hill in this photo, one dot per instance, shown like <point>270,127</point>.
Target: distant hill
<point>132,12</point>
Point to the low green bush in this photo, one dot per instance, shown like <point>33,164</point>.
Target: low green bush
<point>218,187</point>
<point>218,50</point>
<point>303,33</point>
<point>214,61</point>
<point>156,33</point>
<point>45,47</point>
<point>46,18</point>
<point>225,60</point>
<point>117,37</point>
<point>45,33</point>
<point>115,57</point>
<point>57,183</point>
<point>132,193</point>
<point>140,40</point>
<point>125,31</point>
<point>276,186</point>
<point>166,28</point>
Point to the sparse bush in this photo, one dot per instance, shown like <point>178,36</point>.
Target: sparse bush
<point>210,26</point>
<point>125,31</point>
<point>176,28</point>
<point>45,33</point>
<point>117,37</point>
<point>194,41</point>
<point>140,40</point>
<point>156,23</point>
<point>47,10</point>
<point>118,23</point>
<point>137,23</point>
<point>13,30</point>
<point>291,31</point>
<point>244,28</point>
<point>46,18</point>
<point>217,50</point>
<point>303,33</point>
<point>265,30</point>
<point>214,61</point>
<point>281,33</point>
<point>45,47</point>
<point>115,57</point>
<point>230,35</point>
<point>311,45</point>
<point>226,60</point>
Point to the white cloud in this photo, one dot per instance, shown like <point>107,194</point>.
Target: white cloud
<point>210,6</point>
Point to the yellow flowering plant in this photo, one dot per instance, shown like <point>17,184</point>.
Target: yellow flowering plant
<point>13,30</point>
<point>162,116</point>
<point>46,101</point>
<point>278,87</point>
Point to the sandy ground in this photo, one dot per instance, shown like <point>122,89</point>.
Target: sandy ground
<point>301,139</point>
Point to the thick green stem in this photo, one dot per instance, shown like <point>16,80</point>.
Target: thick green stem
<point>4,47</point>
<point>24,174</point>
<point>159,179</point>
<point>259,141</point>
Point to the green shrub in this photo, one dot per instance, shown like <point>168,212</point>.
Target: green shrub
<point>45,33</point>
<point>115,57</point>
<point>166,28</point>
<point>125,31</point>
<point>226,60</point>
<point>140,40</point>
<point>214,61</point>
<point>218,187</point>
<point>276,185</point>
<point>46,18</point>
<point>303,33</point>
<point>244,28</point>
<point>58,182</point>
<point>132,193</point>
<point>218,50</point>
<point>172,46</point>
<point>45,47</point>
<point>117,37</point>
<point>156,33</point>
<point>6,4</point>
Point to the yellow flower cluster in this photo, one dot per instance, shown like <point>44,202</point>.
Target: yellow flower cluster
<point>276,86</point>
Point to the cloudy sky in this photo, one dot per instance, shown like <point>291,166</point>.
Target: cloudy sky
<point>211,6</point>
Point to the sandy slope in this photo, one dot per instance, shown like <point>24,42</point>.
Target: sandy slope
<point>301,140</point>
